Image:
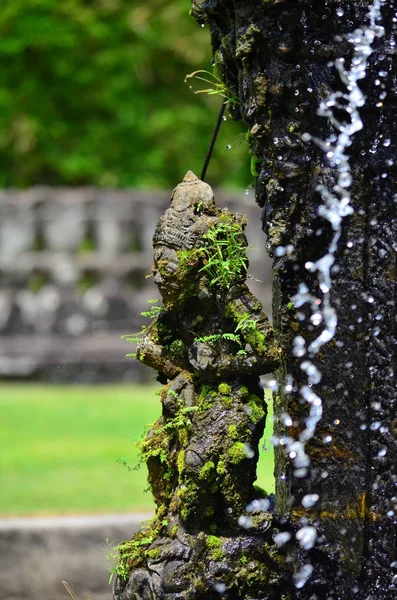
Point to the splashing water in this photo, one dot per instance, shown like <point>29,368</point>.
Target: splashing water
<point>335,206</point>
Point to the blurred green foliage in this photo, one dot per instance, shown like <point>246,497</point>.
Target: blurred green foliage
<point>93,92</point>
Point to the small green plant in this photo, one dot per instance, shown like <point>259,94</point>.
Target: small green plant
<point>154,310</point>
<point>217,86</point>
<point>155,445</point>
<point>247,323</point>
<point>125,464</point>
<point>135,338</point>
<point>232,337</point>
<point>223,254</point>
<point>132,553</point>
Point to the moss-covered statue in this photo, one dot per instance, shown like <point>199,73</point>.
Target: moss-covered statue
<point>209,343</point>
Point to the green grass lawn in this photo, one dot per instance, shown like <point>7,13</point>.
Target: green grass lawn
<point>60,445</point>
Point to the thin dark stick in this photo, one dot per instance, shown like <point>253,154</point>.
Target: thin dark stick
<point>213,140</point>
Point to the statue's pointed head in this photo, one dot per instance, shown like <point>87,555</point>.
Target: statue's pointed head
<point>193,193</point>
<point>190,177</point>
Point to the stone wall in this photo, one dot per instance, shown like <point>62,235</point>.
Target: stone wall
<point>37,554</point>
<point>74,266</point>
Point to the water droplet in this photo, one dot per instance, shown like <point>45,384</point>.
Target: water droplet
<point>282,538</point>
<point>261,505</point>
<point>286,419</point>
<point>307,536</point>
<point>301,576</point>
<point>310,500</point>
<point>245,522</point>
<point>340,12</point>
<point>299,346</point>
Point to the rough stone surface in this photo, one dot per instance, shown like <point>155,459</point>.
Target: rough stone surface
<point>277,57</point>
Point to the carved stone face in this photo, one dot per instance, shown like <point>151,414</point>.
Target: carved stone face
<point>182,225</point>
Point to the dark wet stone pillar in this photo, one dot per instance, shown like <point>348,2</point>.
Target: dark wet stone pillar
<point>277,57</point>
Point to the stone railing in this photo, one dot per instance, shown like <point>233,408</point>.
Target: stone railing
<point>74,266</point>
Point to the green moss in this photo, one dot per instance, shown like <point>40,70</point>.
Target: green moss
<point>224,388</point>
<point>227,401</point>
<point>181,463</point>
<point>256,412</point>
<point>255,162</point>
<point>213,542</point>
<point>209,511</point>
<point>237,453</point>
<point>153,554</point>
<point>243,560</point>
<point>277,399</point>
<point>244,392</point>
<point>207,471</point>
<point>256,339</point>
<point>134,553</point>
<point>232,431</point>
<point>221,467</point>
<point>178,349</point>
<point>183,436</point>
<point>207,397</point>
<point>188,497</point>
<point>247,328</point>
<point>214,545</point>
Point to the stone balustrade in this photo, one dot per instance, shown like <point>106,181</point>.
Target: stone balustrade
<point>74,267</point>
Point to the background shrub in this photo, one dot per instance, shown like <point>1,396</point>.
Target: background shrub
<point>92,92</point>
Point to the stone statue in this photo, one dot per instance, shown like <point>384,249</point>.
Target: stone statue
<point>209,343</point>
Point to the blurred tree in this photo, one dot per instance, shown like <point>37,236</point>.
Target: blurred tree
<point>92,92</point>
